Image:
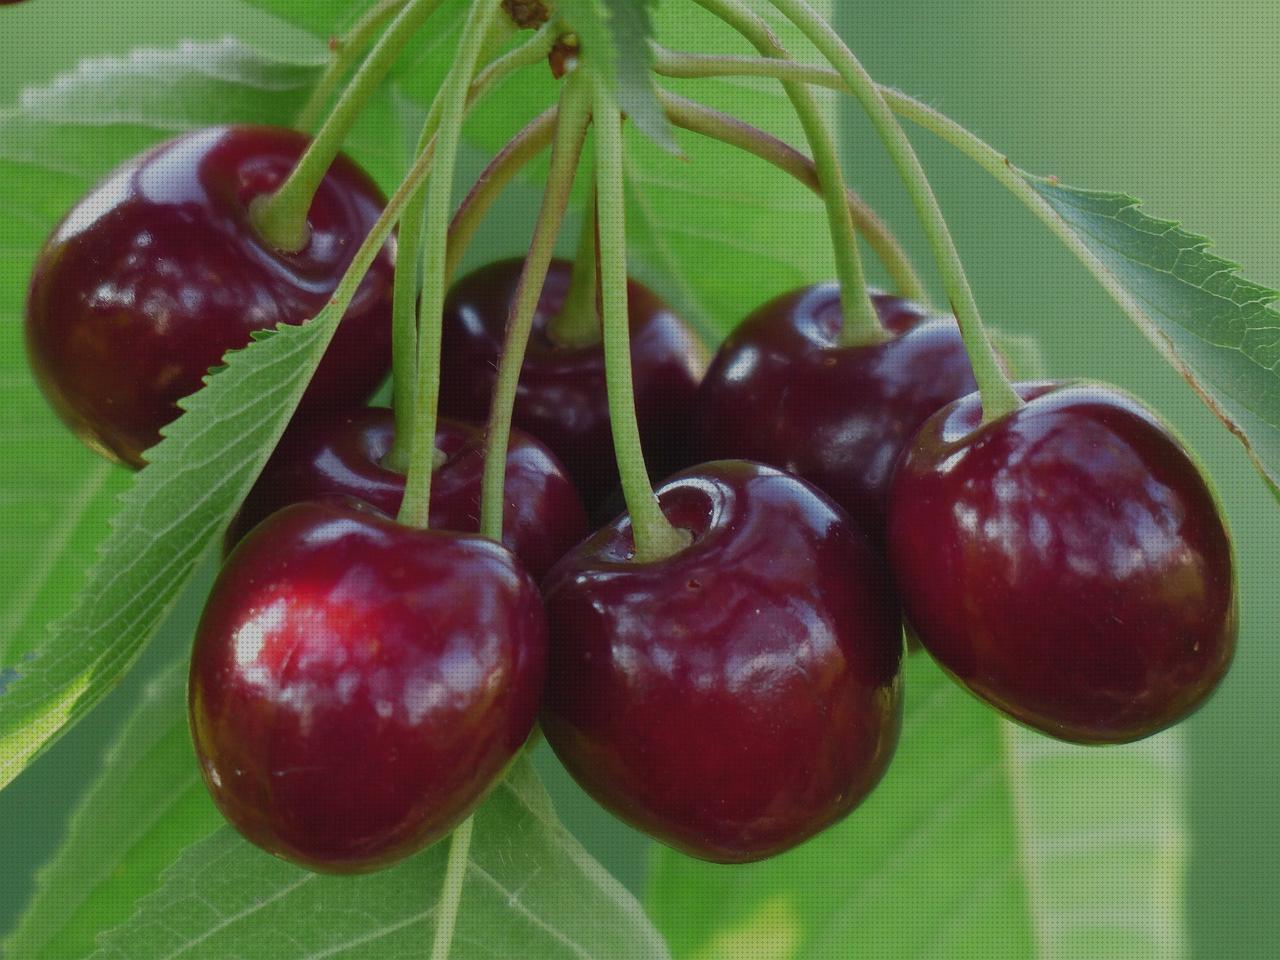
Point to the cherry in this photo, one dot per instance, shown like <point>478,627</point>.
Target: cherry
<point>357,686</point>
<point>736,698</point>
<point>783,391</point>
<point>1067,562</point>
<point>340,455</point>
<point>561,398</point>
<point>157,272</point>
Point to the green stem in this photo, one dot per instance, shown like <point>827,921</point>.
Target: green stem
<point>535,137</point>
<point>415,509</point>
<point>281,217</point>
<point>578,322</point>
<point>404,330</point>
<point>571,130</point>
<point>728,129</point>
<point>347,51</point>
<point>671,63</point>
<point>655,537</point>
<point>1015,181</point>
<point>861,324</point>
<point>455,876</point>
<point>378,235</point>
<point>404,295</point>
<point>998,394</point>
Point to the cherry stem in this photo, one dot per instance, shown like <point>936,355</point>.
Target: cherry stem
<point>415,510</point>
<point>535,137</point>
<point>373,242</point>
<point>578,322</point>
<point>281,216</point>
<point>404,294</point>
<point>655,537</point>
<point>861,324</point>
<point>347,50</point>
<point>571,131</point>
<point>998,394</point>
<point>404,333</point>
<point>455,876</point>
<point>728,129</point>
<point>1015,181</point>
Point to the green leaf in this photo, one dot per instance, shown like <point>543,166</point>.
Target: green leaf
<point>198,475</point>
<point>531,891</point>
<point>146,806</point>
<point>56,142</point>
<point>983,841</point>
<point>1217,328</point>
<point>1104,842</point>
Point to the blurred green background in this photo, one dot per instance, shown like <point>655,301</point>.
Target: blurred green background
<point>1173,102</point>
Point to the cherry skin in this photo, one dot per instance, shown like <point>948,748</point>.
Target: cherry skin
<point>1067,562</point>
<point>783,391</point>
<point>740,696</point>
<point>340,455</point>
<point>158,272</point>
<point>561,398</point>
<point>357,686</point>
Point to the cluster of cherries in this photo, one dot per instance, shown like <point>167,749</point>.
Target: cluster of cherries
<point>357,685</point>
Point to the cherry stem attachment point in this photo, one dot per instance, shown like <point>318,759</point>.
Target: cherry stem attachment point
<point>373,242</point>
<point>578,322</point>
<point>998,394</point>
<point>571,130</point>
<point>707,122</point>
<point>416,508</point>
<point>655,536</point>
<point>281,216</point>
<point>861,324</point>
<point>455,877</point>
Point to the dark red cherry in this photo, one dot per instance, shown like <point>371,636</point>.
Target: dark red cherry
<point>736,698</point>
<point>158,272</point>
<point>1067,563</point>
<point>783,391</point>
<point>357,686</point>
<point>341,454</point>
<point>561,398</point>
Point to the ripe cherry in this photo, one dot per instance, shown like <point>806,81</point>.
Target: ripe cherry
<point>357,686</point>
<point>783,391</point>
<point>158,271</point>
<point>341,454</point>
<point>1067,562</point>
<point>561,398</point>
<point>736,698</point>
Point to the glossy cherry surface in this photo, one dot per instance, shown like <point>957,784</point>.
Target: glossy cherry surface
<point>357,686</point>
<point>341,454</point>
<point>738,697</point>
<point>561,398</point>
<point>1066,563</point>
<point>157,272</point>
<point>782,391</point>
